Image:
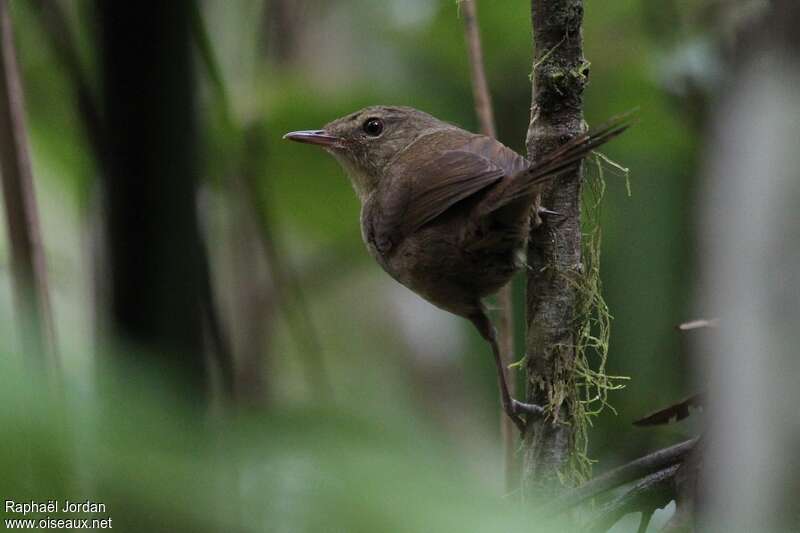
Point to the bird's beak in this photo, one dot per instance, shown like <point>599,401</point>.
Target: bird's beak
<point>318,137</point>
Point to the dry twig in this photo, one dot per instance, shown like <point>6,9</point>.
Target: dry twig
<point>505,324</point>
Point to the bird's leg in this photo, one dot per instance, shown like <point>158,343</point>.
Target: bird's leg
<point>511,407</point>
<point>505,396</point>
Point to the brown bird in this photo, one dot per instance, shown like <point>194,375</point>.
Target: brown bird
<point>444,211</point>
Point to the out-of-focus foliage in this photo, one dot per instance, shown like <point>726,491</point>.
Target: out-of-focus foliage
<point>157,468</point>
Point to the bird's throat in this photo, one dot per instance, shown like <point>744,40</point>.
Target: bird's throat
<point>362,182</point>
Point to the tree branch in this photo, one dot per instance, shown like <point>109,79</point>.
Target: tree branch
<point>505,323</point>
<point>652,492</point>
<point>27,254</point>
<point>621,475</point>
<point>686,488</point>
<point>554,250</point>
<point>480,87</point>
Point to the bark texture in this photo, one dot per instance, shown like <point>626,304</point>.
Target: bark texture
<point>559,75</point>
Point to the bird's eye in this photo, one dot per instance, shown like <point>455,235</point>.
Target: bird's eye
<point>373,127</point>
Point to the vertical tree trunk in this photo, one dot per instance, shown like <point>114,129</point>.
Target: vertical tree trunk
<point>554,251</point>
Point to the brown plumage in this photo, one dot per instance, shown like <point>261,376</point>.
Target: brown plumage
<point>444,211</point>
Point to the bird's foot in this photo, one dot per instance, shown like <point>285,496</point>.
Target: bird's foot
<point>517,408</point>
<point>527,408</point>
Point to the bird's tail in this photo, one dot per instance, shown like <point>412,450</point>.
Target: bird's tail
<point>560,161</point>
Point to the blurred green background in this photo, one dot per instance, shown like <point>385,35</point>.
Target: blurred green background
<point>409,381</point>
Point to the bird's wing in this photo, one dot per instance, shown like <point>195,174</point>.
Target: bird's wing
<point>417,193</point>
<point>444,181</point>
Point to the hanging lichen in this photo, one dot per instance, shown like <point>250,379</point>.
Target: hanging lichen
<point>587,382</point>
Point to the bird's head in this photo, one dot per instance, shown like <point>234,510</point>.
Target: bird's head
<point>364,142</point>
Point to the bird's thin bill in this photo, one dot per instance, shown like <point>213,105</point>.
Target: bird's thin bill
<point>318,137</point>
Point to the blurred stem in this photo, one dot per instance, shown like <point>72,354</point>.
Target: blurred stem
<point>27,254</point>
<point>245,189</point>
<point>219,340</point>
<point>554,247</point>
<point>282,27</point>
<point>155,249</point>
<point>57,33</point>
<point>290,294</point>
<point>750,274</point>
<point>480,87</point>
<point>56,30</point>
<point>505,324</point>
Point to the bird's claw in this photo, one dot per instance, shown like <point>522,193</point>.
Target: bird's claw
<point>518,408</point>
<point>526,408</point>
<point>544,211</point>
